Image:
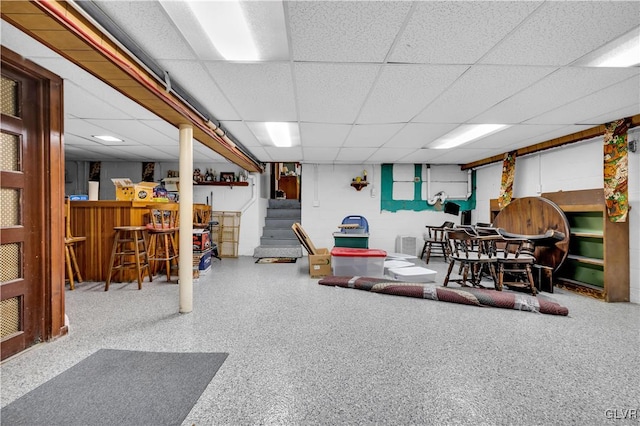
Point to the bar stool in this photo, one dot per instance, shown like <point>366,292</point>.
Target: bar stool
<point>163,229</point>
<point>129,252</point>
<point>73,270</point>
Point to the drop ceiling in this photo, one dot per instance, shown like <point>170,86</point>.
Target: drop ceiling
<point>366,81</point>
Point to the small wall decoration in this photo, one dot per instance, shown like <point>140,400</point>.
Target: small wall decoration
<point>227,176</point>
<point>94,170</point>
<point>508,173</point>
<point>148,171</point>
<point>616,170</point>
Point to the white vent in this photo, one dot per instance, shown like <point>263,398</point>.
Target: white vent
<point>406,245</point>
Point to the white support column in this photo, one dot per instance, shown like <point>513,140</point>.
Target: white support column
<point>185,243</point>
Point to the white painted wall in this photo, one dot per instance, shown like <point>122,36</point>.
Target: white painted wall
<point>327,197</point>
<point>574,167</point>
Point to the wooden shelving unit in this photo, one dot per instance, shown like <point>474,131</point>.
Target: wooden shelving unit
<point>598,259</point>
<point>597,262</point>
<point>227,233</point>
<point>221,184</point>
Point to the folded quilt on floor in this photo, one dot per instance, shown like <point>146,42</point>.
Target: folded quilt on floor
<point>463,295</point>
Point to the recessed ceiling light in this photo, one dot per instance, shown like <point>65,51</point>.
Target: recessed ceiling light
<point>107,138</point>
<point>620,53</point>
<point>225,24</point>
<point>466,133</point>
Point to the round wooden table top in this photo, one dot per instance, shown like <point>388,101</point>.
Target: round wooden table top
<point>535,216</point>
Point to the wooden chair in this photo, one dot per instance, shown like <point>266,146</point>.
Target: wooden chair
<point>163,228</point>
<point>435,243</point>
<point>469,251</point>
<point>69,247</point>
<point>515,260</point>
<point>201,216</point>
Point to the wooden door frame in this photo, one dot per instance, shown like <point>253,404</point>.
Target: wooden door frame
<point>49,177</point>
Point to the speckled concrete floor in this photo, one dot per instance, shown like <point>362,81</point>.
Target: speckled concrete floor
<point>305,354</point>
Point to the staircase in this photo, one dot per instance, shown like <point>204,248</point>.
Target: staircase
<point>278,239</point>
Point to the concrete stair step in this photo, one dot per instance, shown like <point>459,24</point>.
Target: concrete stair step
<point>279,222</point>
<point>285,233</point>
<point>278,251</point>
<point>288,213</point>
<point>284,204</point>
<point>278,241</point>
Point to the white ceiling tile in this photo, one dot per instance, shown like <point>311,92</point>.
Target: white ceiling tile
<point>422,156</point>
<point>478,89</point>
<point>453,156</point>
<point>332,93</point>
<point>344,31</point>
<point>354,155</point>
<point>83,104</point>
<point>259,92</point>
<point>417,135</point>
<point>315,154</point>
<point>582,110</point>
<point>447,32</point>
<point>285,154</point>
<point>241,132</point>
<point>402,91</point>
<point>149,26</point>
<point>323,135</point>
<point>559,32</point>
<point>85,129</point>
<point>371,135</point>
<point>195,79</point>
<point>389,155</point>
<point>134,130</point>
<point>612,115</point>
<point>512,135</point>
<point>557,89</point>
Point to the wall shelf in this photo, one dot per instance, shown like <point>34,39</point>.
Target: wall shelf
<point>359,185</point>
<point>221,184</point>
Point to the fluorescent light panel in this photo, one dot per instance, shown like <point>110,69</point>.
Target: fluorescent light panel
<point>107,138</point>
<point>466,133</point>
<point>279,133</point>
<point>620,53</point>
<point>225,25</point>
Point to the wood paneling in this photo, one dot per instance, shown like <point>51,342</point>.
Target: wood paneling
<point>96,220</point>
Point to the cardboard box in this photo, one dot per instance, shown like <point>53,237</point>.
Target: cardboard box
<point>205,262</point>
<point>320,263</point>
<point>201,240</point>
<point>129,191</point>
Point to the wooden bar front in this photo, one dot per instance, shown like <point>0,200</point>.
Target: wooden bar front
<point>96,220</point>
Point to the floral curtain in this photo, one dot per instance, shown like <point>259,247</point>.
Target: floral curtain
<point>508,173</point>
<point>616,170</point>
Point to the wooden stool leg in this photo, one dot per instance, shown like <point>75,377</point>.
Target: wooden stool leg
<point>74,262</point>
<point>147,265</point>
<point>174,249</point>
<point>114,249</point>
<point>136,253</point>
<point>167,255</point>
<point>152,253</point>
<point>67,256</point>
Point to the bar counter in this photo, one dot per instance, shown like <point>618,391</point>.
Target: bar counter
<point>96,220</point>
